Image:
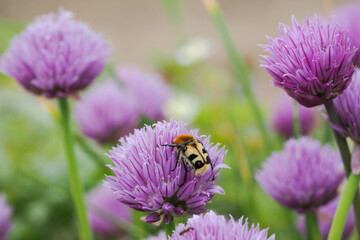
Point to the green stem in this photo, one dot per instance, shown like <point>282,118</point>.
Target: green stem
<point>240,69</point>
<point>98,160</point>
<point>297,126</point>
<point>345,155</point>
<point>312,226</point>
<point>341,142</point>
<point>342,211</point>
<point>75,184</point>
<point>169,228</point>
<point>174,13</point>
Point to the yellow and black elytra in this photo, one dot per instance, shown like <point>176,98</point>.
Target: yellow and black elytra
<point>192,152</point>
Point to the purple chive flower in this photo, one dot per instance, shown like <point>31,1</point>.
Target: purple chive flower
<point>5,215</point>
<point>55,56</point>
<point>311,62</point>
<point>143,178</point>
<point>150,90</point>
<point>347,107</point>
<point>325,215</point>
<point>107,112</point>
<point>283,119</point>
<point>303,176</point>
<point>105,212</point>
<point>213,226</point>
<point>347,17</point>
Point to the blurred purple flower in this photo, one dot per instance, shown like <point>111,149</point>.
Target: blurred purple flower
<point>5,215</point>
<point>325,215</point>
<point>143,178</point>
<point>105,212</point>
<point>348,107</point>
<point>283,118</point>
<point>347,17</point>
<point>213,226</point>
<point>303,176</point>
<point>160,236</point>
<point>150,90</point>
<point>56,55</point>
<point>311,62</point>
<point>107,113</point>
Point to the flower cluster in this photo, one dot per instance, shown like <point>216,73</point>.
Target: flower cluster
<point>150,90</point>
<point>106,213</point>
<point>303,176</point>
<point>311,62</point>
<point>213,226</point>
<point>55,56</point>
<point>5,215</point>
<point>144,179</point>
<point>347,17</point>
<point>107,112</point>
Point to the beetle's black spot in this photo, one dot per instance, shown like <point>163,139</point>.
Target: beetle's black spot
<point>204,150</point>
<point>194,145</point>
<point>207,159</point>
<point>198,164</point>
<point>192,157</point>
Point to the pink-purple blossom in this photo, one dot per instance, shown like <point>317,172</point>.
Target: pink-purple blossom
<point>347,16</point>
<point>5,218</point>
<point>304,175</point>
<point>106,213</point>
<point>107,112</point>
<point>311,62</point>
<point>213,226</point>
<point>150,90</point>
<point>283,118</point>
<point>55,56</point>
<point>144,179</point>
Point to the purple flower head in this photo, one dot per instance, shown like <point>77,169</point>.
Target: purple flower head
<point>105,212</point>
<point>303,176</point>
<point>107,112</point>
<point>213,226</point>
<point>348,108</point>
<point>5,215</point>
<point>325,215</point>
<point>283,119</point>
<point>150,90</point>
<point>311,62</point>
<point>347,17</point>
<point>55,56</point>
<point>143,178</point>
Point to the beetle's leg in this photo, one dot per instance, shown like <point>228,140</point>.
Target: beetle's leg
<point>177,160</point>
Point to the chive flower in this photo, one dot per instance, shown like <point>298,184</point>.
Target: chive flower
<point>144,179</point>
<point>106,213</point>
<point>5,215</point>
<point>107,113</point>
<point>213,226</point>
<point>347,107</point>
<point>303,176</point>
<point>55,56</point>
<point>150,90</point>
<point>325,215</point>
<point>311,62</point>
<point>283,118</point>
<point>347,17</point>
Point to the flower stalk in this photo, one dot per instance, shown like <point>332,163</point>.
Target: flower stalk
<point>240,69</point>
<point>297,126</point>
<point>346,157</point>
<point>169,228</point>
<point>338,224</point>
<point>312,226</point>
<point>75,184</point>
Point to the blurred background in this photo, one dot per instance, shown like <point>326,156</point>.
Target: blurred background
<point>182,45</point>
